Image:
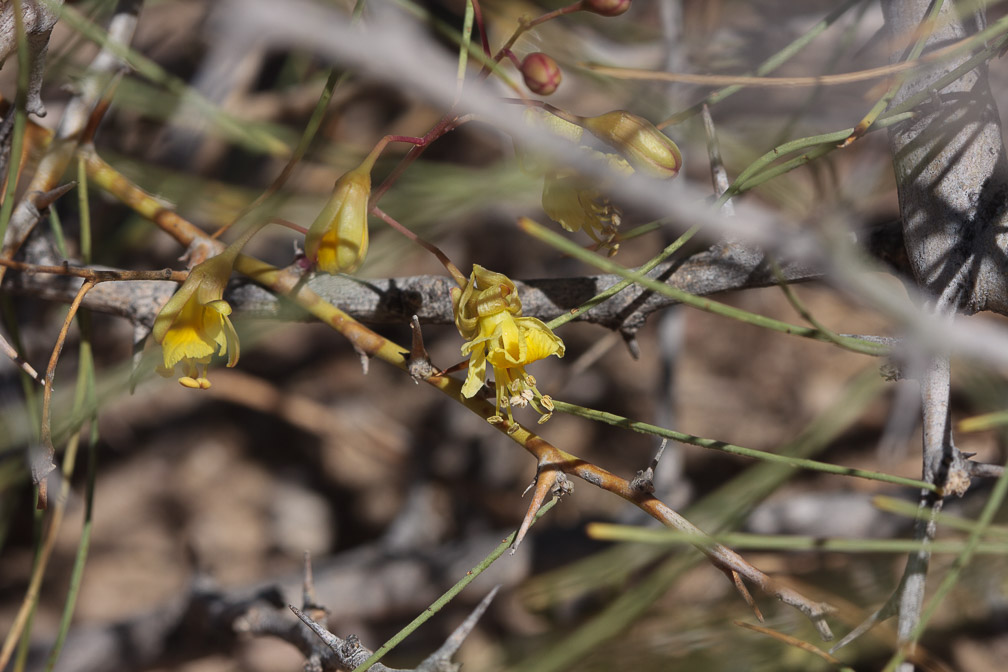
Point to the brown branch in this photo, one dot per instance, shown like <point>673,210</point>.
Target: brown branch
<point>95,275</point>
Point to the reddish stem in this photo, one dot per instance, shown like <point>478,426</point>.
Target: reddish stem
<point>478,16</point>
<point>447,123</point>
<point>441,256</point>
<point>289,224</point>
<point>511,56</point>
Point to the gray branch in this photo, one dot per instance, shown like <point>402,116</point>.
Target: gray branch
<point>723,267</point>
<point>952,177</point>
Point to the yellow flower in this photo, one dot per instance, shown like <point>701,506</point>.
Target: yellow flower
<point>194,325</point>
<point>571,201</point>
<point>338,238</point>
<point>488,315</point>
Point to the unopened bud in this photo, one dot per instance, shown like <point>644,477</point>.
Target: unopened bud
<point>606,7</point>
<point>644,146</point>
<point>338,238</point>
<point>541,73</point>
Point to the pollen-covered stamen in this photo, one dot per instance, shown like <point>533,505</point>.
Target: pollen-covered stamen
<point>521,398</point>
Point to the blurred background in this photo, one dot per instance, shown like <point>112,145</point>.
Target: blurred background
<point>395,490</point>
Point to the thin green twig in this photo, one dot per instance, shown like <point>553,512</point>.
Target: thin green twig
<point>707,305</point>
<point>784,542</point>
<point>972,546</point>
<point>450,594</point>
<point>256,139</point>
<point>731,449</point>
<point>84,391</point>
<point>463,57</point>
<point>862,126</point>
<point>624,283</point>
<point>903,507</point>
<point>767,66</point>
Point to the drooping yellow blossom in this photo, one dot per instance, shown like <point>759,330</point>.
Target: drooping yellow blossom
<point>488,315</point>
<point>338,238</point>
<point>194,325</point>
<point>571,201</point>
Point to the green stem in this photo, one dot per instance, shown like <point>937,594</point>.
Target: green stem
<point>437,605</point>
<point>883,102</point>
<point>256,139</point>
<point>781,542</point>
<point>85,210</point>
<point>973,545</point>
<point>85,391</point>
<point>624,283</point>
<point>767,66</point>
<point>731,449</point>
<point>708,305</point>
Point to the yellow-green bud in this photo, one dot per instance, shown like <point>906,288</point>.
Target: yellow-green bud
<point>644,146</point>
<point>338,238</point>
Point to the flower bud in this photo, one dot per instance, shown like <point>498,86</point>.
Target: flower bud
<point>541,73</point>
<point>606,7</point>
<point>644,146</point>
<point>338,238</point>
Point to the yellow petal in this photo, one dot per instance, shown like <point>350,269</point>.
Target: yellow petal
<point>477,374</point>
<point>540,340</point>
<point>185,343</point>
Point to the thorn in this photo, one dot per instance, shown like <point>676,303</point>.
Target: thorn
<point>549,480</point>
<point>644,480</point>
<point>452,369</point>
<point>330,640</point>
<point>43,199</point>
<point>719,176</point>
<point>439,659</point>
<point>308,599</point>
<point>630,338</point>
<point>419,365</point>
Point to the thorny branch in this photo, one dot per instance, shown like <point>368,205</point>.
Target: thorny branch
<point>961,277</point>
<point>288,283</point>
<point>956,242</point>
<point>723,267</point>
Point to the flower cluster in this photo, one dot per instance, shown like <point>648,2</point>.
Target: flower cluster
<point>488,314</point>
<point>195,325</point>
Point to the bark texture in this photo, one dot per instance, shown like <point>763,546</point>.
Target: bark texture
<point>951,168</point>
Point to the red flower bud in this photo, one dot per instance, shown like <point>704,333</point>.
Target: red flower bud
<point>542,74</point>
<point>606,7</point>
